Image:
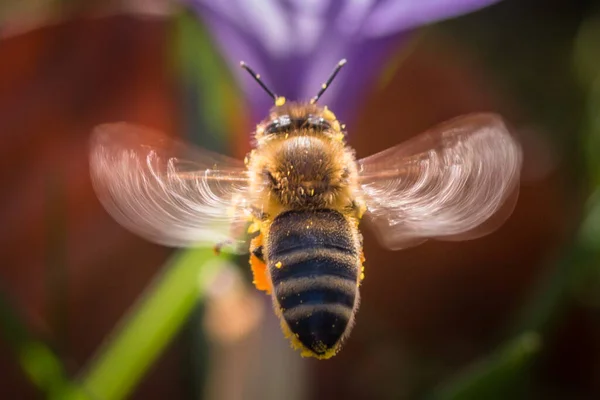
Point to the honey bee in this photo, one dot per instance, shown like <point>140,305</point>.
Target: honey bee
<point>301,194</point>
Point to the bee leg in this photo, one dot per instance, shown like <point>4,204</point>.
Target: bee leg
<point>220,245</point>
<point>261,280</point>
<point>356,208</point>
<point>258,253</point>
<point>258,214</point>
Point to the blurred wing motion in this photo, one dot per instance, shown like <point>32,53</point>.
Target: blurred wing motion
<point>456,181</point>
<point>167,192</point>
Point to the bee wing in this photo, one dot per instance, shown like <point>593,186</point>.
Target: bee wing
<point>457,181</point>
<point>168,192</point>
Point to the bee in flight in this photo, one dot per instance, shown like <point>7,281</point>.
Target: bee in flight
<point>301,194</point>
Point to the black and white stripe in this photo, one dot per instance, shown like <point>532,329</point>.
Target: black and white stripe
<point>313,260</point>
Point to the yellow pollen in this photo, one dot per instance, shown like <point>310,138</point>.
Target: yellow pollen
<point>280,101</point>
<point>278,265</point>
<point>254,227</point>
<point>324,86</point>
<point>328,115</point>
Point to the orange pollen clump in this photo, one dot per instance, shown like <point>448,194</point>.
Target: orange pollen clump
<point>259,268</point>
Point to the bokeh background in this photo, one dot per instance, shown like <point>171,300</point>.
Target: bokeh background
<point>90,311</point>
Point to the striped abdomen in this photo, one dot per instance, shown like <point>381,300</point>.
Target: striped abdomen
<point>313,259</point>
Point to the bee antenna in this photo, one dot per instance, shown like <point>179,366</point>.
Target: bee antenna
<point>328,82</point>
<point>257,79</point>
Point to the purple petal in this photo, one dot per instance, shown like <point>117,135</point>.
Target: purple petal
<point>295,44</point>
<point>391,16</point>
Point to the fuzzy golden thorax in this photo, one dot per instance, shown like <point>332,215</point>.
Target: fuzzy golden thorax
<point>302,159</point>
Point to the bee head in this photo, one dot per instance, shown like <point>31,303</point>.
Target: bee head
<point>292,117</point>
<point>299,118</point>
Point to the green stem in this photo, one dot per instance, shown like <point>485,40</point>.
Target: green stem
<point>505,366</point>
<point>150,325</point>
<point>39,363</point>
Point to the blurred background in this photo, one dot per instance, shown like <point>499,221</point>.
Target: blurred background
<point>90,311</point>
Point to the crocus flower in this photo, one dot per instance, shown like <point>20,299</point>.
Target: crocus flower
<point>294,44</point>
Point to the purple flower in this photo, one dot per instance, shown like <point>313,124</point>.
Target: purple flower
<point>295,44</point>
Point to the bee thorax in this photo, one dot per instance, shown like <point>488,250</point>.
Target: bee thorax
<point>305,172</point>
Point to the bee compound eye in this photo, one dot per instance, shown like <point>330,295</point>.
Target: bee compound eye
<point>318,123</point>
<point>279,125</point>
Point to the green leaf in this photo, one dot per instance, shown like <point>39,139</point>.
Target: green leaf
<point>39,363</point>
<point>212,103</point>
<point>496,376</point>
<point>586,54</point>
<point>150,325</point>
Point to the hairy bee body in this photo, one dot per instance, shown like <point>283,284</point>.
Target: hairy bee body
<point>314,264</point>
<point>305,194</point>
<point>308,252</point>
